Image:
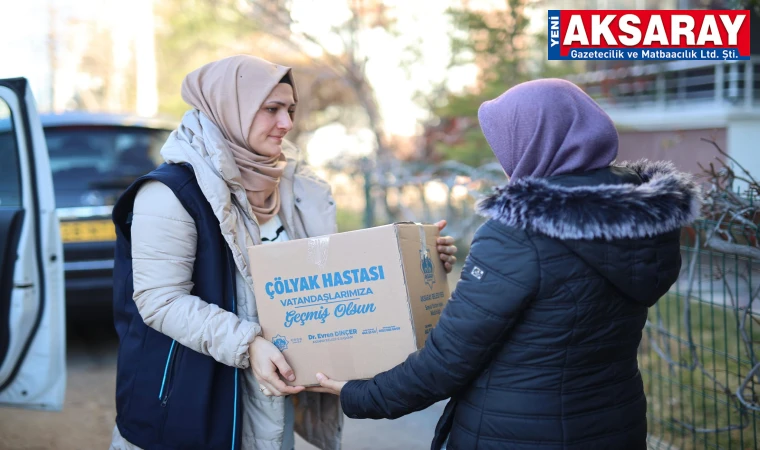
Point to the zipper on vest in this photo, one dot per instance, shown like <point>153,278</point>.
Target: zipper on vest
<point>166,383</point>
<point>232,271</point>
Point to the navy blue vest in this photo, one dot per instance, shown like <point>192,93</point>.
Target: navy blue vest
<point>168,396</point>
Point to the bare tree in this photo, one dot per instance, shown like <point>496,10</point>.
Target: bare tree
<point>349,65</point>
<point>727,205</point>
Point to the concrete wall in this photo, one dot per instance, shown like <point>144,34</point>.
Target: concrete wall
<point>683,148</point>
<point>743,138</point>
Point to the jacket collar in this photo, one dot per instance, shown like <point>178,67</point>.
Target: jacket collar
<point>625,201</point>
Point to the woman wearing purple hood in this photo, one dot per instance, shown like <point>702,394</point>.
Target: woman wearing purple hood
<point>537,346</point>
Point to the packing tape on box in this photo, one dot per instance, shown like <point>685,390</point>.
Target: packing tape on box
<point>423,242</point>
<point>318,250</point>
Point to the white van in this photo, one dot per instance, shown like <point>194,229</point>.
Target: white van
<point>32,313</point>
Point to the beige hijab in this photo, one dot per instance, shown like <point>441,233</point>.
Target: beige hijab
<point>230,92</point>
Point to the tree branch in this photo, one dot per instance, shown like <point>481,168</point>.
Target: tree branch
<point>722,246</point>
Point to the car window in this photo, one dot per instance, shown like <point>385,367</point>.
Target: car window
<point>10,181</point>
<point>87,160</point>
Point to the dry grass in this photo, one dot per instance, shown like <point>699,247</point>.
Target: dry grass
<point>687,400</point>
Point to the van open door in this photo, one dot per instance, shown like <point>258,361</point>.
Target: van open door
<point>32,310</point>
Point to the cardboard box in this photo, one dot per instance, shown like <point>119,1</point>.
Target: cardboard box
<point>350,305</point>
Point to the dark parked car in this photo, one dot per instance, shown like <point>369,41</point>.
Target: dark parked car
<point>93,158</point>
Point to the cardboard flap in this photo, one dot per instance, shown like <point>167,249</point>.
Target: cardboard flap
<point>425,276</point>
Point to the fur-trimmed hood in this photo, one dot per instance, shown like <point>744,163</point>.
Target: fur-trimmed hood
<point>660,199</point>
<point>622,220</point>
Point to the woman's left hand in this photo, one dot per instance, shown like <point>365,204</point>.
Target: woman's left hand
<point>327,385</point>
<point>446,248</point>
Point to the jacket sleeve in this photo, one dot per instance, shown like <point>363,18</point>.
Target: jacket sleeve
<point>500,276</point>
<point>164,240</point>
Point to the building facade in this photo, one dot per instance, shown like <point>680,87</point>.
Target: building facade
<point>671,109</point>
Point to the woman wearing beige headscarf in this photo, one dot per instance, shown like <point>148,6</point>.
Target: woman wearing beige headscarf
<point>231,181</point>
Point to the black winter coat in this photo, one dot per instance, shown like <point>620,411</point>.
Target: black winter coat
<point>537,346</point>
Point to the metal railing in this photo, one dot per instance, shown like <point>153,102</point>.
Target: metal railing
<point>675,83</point>
<point>699,357</point>
<point>418,192</point>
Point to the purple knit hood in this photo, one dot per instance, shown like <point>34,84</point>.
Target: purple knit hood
<point>548,127</point>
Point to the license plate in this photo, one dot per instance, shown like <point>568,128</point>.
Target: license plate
<point>88,231</point>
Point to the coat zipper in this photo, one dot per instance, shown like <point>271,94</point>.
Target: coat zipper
<point>232,271</point>
<point>235,202</point>
<point>166,383</point>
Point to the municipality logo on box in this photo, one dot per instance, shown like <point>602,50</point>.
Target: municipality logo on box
<point>648,35</point>
<point>426,266</point>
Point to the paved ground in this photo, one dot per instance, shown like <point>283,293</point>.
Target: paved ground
<point>87,419</point>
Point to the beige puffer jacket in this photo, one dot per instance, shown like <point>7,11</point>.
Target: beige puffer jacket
<point>164,243</point>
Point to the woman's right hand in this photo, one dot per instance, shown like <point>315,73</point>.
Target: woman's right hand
<point>267,364</point>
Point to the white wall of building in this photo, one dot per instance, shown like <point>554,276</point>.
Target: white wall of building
<point>743,140</point>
